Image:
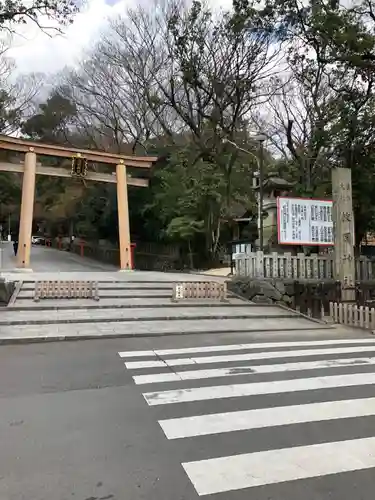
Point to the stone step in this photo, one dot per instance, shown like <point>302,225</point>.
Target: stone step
<point>117,302</point>
<point>197,313</point>
<point>54,332</point>
<point>152,277</point>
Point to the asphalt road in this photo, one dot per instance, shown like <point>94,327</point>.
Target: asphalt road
<point>75,425</point>
<point>47,263</point>
<point>44,259</point>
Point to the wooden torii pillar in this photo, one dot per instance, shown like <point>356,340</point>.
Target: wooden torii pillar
<point>30,168</point>
<point>27,209</point>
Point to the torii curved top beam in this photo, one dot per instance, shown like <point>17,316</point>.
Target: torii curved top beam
<point>40,148</point>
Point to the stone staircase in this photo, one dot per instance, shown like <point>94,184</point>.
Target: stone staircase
<point>145,308</point>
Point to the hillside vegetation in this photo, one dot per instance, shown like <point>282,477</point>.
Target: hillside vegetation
<point>194,87</point>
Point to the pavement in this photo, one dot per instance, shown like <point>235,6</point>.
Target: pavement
<point>49,264</point>
<point>223,417</point>
<point>218,271</point>
<point>49,260</point>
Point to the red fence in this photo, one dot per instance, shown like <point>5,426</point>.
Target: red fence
<point>142,256</point>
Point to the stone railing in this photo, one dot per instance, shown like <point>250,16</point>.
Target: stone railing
<point>300,266</point>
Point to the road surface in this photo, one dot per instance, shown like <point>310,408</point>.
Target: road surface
<point>48,263</point>
<point>217,416</point>
<point>44,259</point>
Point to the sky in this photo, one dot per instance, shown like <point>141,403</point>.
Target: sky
<point>35,52</point>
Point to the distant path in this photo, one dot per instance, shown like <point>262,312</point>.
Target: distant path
<point>47,263</point>
<point>44,259</point>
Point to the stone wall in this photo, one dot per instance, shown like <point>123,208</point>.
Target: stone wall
<point>6,291</point>
<point>307,296</point>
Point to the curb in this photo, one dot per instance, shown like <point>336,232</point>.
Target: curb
<point>75,338</point>
<point>147,319</point>
<point>63,307</point>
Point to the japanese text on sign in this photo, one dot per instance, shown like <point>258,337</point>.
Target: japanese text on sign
<point>302,221</point>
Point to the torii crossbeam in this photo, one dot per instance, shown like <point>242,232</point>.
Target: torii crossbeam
<point>80,162</point>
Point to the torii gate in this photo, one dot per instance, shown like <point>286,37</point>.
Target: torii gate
<point>30,168</point>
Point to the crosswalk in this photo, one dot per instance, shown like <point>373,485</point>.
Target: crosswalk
<point>263,385</point>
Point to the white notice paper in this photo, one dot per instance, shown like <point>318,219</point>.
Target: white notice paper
<point>304,221</point>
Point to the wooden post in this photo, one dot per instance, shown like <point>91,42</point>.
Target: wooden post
<point>27,208</point>
<point>343,220</point>
<point>123,217</point>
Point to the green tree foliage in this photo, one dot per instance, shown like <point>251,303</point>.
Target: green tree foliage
<point>339,32</point>
<point>185,229</point>
<point>10,192</point>
<point>187,189</point>
<point>9,116</point>
<point>51,121</point>
<point>331,51</point>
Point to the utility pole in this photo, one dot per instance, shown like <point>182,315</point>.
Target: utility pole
<point>260,138</point>
<point>260,161</point>
<point>261,180</point>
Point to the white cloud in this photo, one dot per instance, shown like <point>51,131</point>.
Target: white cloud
<point>34,51</point>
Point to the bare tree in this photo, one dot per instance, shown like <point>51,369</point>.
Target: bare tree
<point>109,109</point>
<point>16,95</point>
<point>175,70</point>
<point>192,66</point>
<point>181,73</point>
<point>299,119</point>
<point>19,12</point>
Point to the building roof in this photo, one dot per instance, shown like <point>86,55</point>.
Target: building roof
<point>273,181</point>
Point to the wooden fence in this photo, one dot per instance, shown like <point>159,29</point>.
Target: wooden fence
<point>200,290</point>
<point>66,290</point>
<point>300,266</point>
<point>352,315</point>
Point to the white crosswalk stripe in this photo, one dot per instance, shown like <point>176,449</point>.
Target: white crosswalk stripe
<point>133,365</point>
<point>216,423</point>
<point>249,369</point>
<point>336,369</point>
<point>241,347</point>
<point>267,467</point>
<point>257,388</point>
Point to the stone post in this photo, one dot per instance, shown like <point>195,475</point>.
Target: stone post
<point>343,229</point>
